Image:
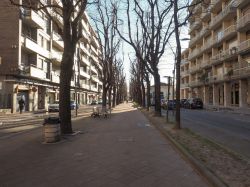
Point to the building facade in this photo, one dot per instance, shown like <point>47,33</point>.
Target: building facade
<point>216,67</point>
<point>31,52</point>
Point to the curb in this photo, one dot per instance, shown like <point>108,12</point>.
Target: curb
<point>207,174</point>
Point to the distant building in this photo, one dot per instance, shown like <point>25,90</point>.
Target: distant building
<point>164,92</point>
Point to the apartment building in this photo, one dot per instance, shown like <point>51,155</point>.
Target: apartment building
<point>31,52</point>
<point>216,67</point>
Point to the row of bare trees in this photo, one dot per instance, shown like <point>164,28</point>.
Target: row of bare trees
<point>151,24</point>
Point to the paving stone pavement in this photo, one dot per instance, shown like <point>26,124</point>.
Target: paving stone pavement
<point>122,151</point>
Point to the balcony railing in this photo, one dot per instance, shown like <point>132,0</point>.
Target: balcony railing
<point>208,44</point>
<point>57,39</point>
<point>215,3</point>
<point>33,46</point>
<point>184,85</point>
<point>195,26</point>
<point>32,18</point>
<point>205,64</point>
<point>184,61</point>
<point>56,56</point>
<point>226,34</point>
<point>55,77</point>
<point>37,72</point>
<point>206,13</point>
<point>228,10</point>
<point>244,22</point>
<point>241,69</point>
<point>225,55</point>
<point>194,53</point>
<point>244,46</point>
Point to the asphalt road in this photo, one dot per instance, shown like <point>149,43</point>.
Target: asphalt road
<point>226,128</point>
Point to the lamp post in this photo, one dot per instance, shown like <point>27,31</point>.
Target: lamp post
<point>169,80</point>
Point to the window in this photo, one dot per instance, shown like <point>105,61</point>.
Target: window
<point>41,40</point>
<point>48,45</point>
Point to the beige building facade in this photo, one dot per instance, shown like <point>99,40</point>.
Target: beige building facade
<point>31,52</point>
<point>216,67</point>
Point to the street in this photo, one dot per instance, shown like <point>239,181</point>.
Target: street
<point>226,128</point>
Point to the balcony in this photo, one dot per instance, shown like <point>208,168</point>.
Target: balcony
<point>215,5</point>
<point>32,45</point>
<point>242,3</point>
<point>195,69</point>
<point>244,47</point>
<point>35,72</point>
<point>226,55</point>
<point>227,34</point>
<point>84,74</point>
<point>205,64</point>
<point>184,61</point>
<point>55,77</point>
<point>207,45</point>
<point>243,24</point>
<point>184,85</point>
<point>57,41</point>
<point>31,18</point>
<point>57,18</point>
<point>185,73</point>
<point>196,52</point>
<point>195,83</point>
<point>56,57</point>
<point>227,13</point>
<point>195,26</point>
<point>84,85</point>
<point>206,14</point>
<point>241,70</point>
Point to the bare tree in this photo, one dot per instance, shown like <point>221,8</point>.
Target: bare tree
<point>71,12</point>
<point>105,20</point>
<point>155,21</point>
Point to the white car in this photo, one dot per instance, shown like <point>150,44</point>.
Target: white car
<point>54,107</point>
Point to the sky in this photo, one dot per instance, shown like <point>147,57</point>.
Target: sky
<point>166,64</point>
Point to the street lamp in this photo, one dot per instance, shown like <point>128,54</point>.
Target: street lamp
<point>169,80</point>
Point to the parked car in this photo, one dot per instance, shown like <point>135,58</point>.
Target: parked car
<point>54,107</point>
<point>94,102</point>
<point>182,102</point>
<point>170,105</point>
<point>193,103</point>
<point>73,105</point>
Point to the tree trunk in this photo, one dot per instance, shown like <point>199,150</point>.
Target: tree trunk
<point>104,96</point>
<point>114,97</point>
<point>178,62</point>
<point>148,94</point>
<point>110,96</point>
<point>157,82</point>
<point>143,95</point>
<point>64,95</point>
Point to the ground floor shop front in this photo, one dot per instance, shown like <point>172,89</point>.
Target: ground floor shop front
<point>37,96</point>
<point>233,93</point>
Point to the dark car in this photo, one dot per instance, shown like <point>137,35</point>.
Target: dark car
<point>193,103</point>
<point>182,102</point>
<point>170,105</point>
<point>94,102</point>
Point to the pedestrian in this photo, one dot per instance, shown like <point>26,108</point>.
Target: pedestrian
<point>21,105</point>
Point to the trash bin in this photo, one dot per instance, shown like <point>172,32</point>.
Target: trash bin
<point>52,132</point>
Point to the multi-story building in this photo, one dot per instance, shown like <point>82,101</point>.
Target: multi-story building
<point>31,52</point>
<point>216,67</point>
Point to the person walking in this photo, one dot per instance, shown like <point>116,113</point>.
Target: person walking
<point>21,105</point>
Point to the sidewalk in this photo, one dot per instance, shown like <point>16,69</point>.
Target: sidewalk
<point>122,151</point>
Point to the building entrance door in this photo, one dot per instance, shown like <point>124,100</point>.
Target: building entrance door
<point>25,96</point>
